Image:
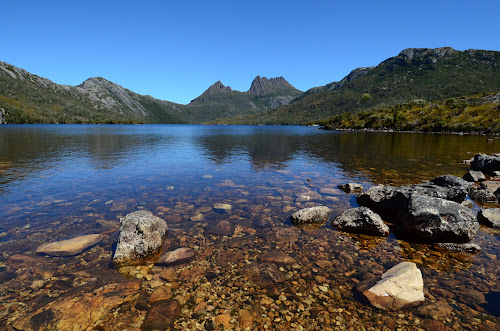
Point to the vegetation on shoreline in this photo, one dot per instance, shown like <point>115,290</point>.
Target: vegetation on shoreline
<point>477,113</point>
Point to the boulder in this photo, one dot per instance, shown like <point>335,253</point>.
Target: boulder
<point>176,256</point>
<point>391,202</point>
<point>351,187</point>
<point>438,220</point>
<point>492,186</point>
<point>361,220</point>
<point>479,194</point>
<point>141,234</point>
<point>474,176</point>
<point>69,247</point>
<point>401,286</point>
<point>486,163</point>
<point>489,217</point>
<point>316,214</point>
<point>459,247</point>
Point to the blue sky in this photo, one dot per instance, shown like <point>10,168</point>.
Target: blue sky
<point>175,50</point>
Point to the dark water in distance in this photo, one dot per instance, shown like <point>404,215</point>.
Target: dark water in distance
<point>59,181</point>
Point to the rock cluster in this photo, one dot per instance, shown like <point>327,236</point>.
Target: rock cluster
<point>141,234</point>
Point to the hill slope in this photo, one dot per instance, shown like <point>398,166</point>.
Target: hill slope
<point>27,98</point>
<point>416,73</point>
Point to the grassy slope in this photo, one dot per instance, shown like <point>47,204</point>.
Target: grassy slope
<point>394,81</point>
<point>473,113</point>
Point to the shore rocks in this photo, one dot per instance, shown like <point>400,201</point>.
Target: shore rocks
<point>361,220</point>
<point>141,234</point>
<point>486,163</point>
<point>489,217</point>
<point>316,214</point>
<point>69,247</point>
<point>400,287</point>
<point>176,256</point>
<point>474,176</point>
<point>439,220</point>
<point>351,187</point>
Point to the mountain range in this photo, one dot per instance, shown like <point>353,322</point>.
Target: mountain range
<point>415,73</point>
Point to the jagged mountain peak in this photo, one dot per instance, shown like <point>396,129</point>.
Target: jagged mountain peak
<point>264,86</point>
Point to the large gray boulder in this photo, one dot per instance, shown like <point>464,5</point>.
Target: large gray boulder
<point>316,214</point>
<point>141,234</point>
<point>401,287</point>
<point>361,220</point>
<point>390,202</point>
<point>438,220</point>
<point>486,163</point>
<point>489,217</point>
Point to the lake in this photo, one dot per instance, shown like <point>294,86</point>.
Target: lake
<point>62,181</point>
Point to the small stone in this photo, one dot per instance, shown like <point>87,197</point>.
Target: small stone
<point>351,187</point>
<point>161,315</point>
<point>178,255</point>
<point>474,176</point>
<point>460,247</point>
<point>69,247</point>
<point>330,191</point>
<point>222,207</point>
<point>311,215</point>
<point>168,274</point>
<point>161,293</point>
<point>197,218</point>
<point>222,228</point>
<point>225,320</point>
<point>277,257</point>
<point>245,319</point>
<point>303,198</point>
<point>489,217</point>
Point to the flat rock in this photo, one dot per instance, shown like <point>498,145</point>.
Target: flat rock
<point>489,217</point>
<point>161,315</point>
<point>351,187</point>
<point>316,214</point>
<point>486,163</point>
<point>160,294</point>
<point>222,207</point>
<point>361,220</point>
<point>245,319</point>
<point>459,247</point>
<point>69,247</point>
<point>438,220</point>
<point>221,228</point>
<point>141,234</point>
<point>328,190</point>
<point>277,257</point>
<point>474,176</point>
<point>176,256</point>
<point>401,287</point>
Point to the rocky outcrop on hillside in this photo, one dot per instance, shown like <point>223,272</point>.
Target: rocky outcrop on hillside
<point>262,86</point>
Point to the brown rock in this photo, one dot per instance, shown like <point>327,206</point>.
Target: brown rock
<point>224,319</point>
<point>433,325</point>
<point>277,257</point>
<point>161,293</point>
<point>69,247</point>
<point>201,306</point>
<point>222,228</point>
<point>72,313</point>
<point>168,274</point>
<point>161,315</point>
<point>435,309</point>
<point>176,256</point>
<point>245,319</point>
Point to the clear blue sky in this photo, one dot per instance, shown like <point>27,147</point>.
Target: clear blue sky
<point>174,50</point>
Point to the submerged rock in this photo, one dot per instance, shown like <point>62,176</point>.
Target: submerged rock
<point>439,220</point>
<point>161,315</point>
<point>361,220</point>
<point>474,176</point>
<point>401,286</point>
<point>176,256</point>
<point>222,207</point>
<point>311,215</point>
<point>460,247</point>
<point>486,163</point>
<point>141,234</point>
<point>489,217</point>
<point>69,247</point>
<point>351,187</point>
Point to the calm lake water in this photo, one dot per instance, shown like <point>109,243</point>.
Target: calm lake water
<point>61,181</point>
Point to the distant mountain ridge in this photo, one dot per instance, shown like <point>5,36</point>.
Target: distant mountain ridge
<point>28,98</point>
<point>415,73</point>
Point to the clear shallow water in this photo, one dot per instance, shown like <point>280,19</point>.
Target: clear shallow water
<point>60,181</point>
